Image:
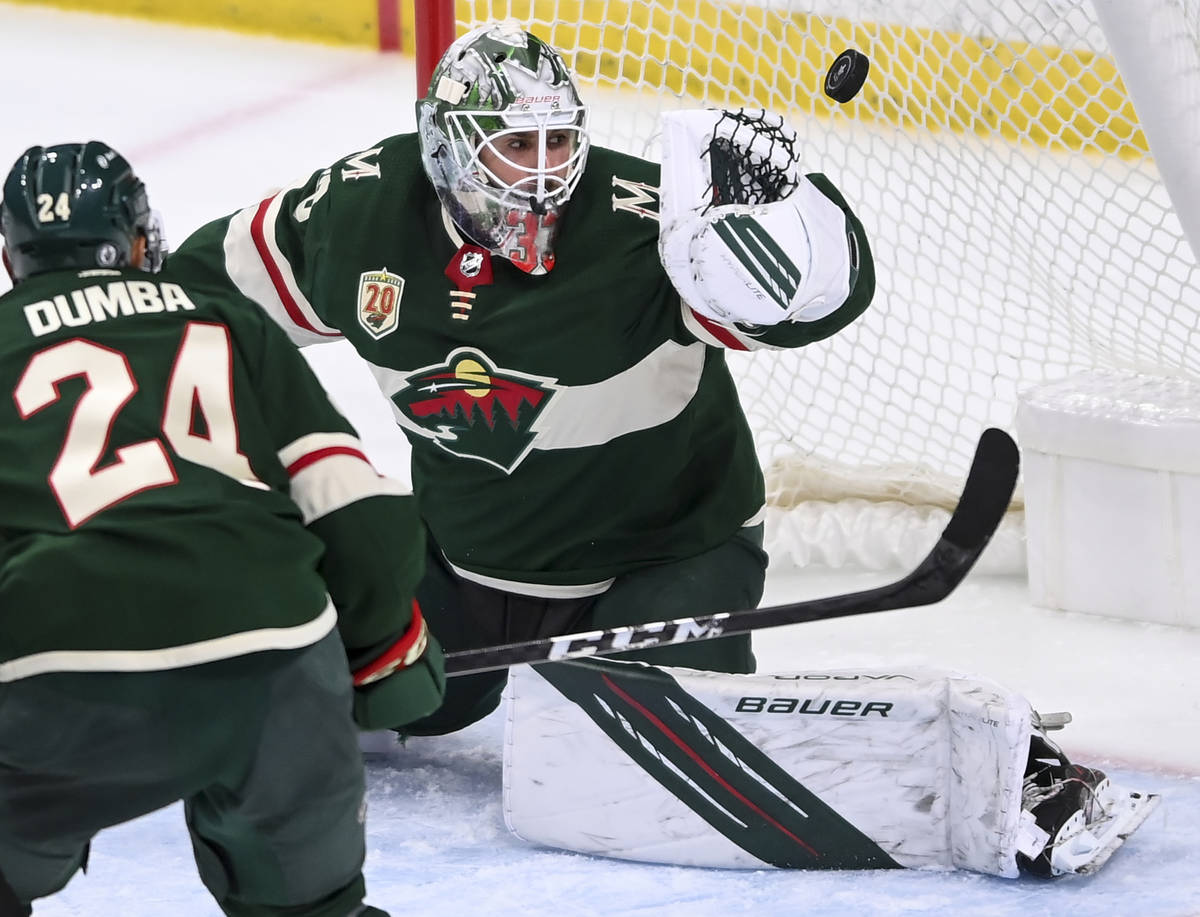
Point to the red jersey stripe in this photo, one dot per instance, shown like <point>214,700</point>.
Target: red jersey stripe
<point>285,296</point>
<point>721,333</point>
<point>317,455</point>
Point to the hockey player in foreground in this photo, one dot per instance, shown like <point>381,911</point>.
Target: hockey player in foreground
<point>548,319</point>
<point>181,502</point>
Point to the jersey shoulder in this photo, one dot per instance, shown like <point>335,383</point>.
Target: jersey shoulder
<point>210,289</point>
<point>619,194</point>
<point>393,163</point>
<point>361,197</point>
<point>623,165</point>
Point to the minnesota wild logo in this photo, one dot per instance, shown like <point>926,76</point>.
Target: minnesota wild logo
<point>471,408</point>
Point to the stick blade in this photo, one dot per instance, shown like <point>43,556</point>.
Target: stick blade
<point>987,493</point>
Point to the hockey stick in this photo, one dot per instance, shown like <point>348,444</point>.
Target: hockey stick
<point>983,503</point>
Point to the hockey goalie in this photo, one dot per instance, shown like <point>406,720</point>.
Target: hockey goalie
<point>854,769</point>
<point>815,770</point>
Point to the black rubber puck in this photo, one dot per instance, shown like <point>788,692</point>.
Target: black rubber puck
<point>846,75</point>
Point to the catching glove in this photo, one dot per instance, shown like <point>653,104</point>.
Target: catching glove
<point>744,236</point>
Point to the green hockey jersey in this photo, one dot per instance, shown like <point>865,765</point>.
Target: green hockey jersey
<point>565,428</point>
<point>177,487</point>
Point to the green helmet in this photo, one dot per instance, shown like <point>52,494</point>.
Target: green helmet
<point>498,89</point>
<point>74,207</point>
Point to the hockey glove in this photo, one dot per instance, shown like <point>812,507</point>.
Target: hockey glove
<point>744,236</point>
<point>403,681</point>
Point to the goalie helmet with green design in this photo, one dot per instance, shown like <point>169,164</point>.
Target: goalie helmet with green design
<point>76,206</point>
<point>504,139</point>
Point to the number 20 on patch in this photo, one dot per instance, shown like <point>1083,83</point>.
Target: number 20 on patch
<point>379,295</point>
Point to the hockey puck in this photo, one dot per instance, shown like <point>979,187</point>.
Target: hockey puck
<point>846,75</point>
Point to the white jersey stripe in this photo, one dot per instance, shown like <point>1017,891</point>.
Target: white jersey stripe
<point>172,657</point>
<point>261,272</point>
<point>651,392</point>
<point>544,591</point>
<point>331,470</point>
<point>538,590</point>
<point>336,479</point>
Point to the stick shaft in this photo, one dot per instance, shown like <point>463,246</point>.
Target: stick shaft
<point>984,500</point>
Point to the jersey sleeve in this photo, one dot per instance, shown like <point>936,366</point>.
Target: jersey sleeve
<point>272,253</point>
<point>741,336</point>
<point>368,523</point>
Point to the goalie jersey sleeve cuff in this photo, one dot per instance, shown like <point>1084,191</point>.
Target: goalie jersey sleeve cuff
<point>761,262</point>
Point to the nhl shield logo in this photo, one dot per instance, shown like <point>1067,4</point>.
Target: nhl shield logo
<point>471,264</point>
<point>379,295</point>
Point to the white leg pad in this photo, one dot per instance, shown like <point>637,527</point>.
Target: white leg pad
<point>926,764</point>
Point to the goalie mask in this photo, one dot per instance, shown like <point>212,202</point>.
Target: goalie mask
<point>504,140</point>
<point>74,207</point>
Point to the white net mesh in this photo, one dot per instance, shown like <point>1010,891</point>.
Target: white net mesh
<point>1019,225</point>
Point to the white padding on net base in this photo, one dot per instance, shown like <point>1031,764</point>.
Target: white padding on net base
<point>878,536</point>
<point>820,514</point>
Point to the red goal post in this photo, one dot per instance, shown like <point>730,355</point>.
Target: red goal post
<point>434,30</point>
<point>1028,220</point>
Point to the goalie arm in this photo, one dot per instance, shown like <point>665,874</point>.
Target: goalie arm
<point>369,543</point>
<point>272,252</point>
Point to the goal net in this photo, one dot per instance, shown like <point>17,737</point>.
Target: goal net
<point>1016,206</point>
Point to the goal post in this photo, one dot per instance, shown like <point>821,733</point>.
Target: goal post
<point>1029,175</point>
<point>433,31</point>
<point>1158,51</point>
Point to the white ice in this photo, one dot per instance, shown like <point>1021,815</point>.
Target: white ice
<point>214,121</point>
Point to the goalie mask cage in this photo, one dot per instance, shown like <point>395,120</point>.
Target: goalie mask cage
<point>1026,221</point>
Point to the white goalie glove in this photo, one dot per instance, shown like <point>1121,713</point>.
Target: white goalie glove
<point>744,236</point>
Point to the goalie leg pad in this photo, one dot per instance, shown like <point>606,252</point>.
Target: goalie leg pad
<point>845,769</point>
